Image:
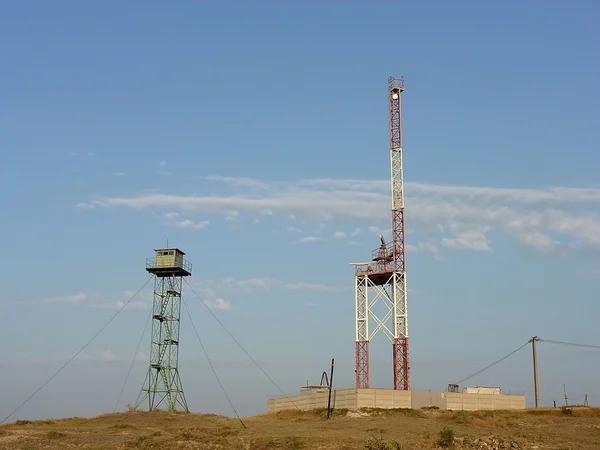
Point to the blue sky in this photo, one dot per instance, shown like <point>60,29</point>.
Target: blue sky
<point>255,138</point>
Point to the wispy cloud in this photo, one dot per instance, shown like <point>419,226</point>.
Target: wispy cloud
<point>218,303</point>
<point>232,216</point>
<point>312,287</point>
<point>212,289</point>
<point>143,300</point>
<point>118,174</point>
<point>109,356</point>
<point>68,299</point>
<point>468,237</point>
<point>356,232</point>
<point>118,304</point>
<point>163,164</point>
<point>85,205</point>
<point>307,239</point>
<point>88,154</point>
<point>172,220</point>
<point>457,217</point>
<point>105,356</point>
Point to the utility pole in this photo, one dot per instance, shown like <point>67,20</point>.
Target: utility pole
<point>536,385</point>
<point>566,398</point>
<point>330,388</point>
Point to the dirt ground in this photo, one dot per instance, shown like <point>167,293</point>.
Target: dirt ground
<point>578,428</point>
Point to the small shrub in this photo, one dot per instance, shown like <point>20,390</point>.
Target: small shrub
<point>430,408</point>
<point>566,410</point>
<point>294,442</point>
<point>23,422</point>
<point>446,437</point>
<point>378,443</point>
<point>123,425</point>
<point>55,435</point>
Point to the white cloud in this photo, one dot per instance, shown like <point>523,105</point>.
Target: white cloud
<point>88,154</point>
<point>313,287</point>
<point>186,223</point>
<point>294,230</point>
<point>218,303</point>
<point>232,216</point>
<point>356,232</point>
<point>84,356</point>
<point>307,239</point>
<point>108,356</point>
<point>68,299</point>
<point>375,229</point>
<point>83,205</point>
<point>163,164</point>
<point>339,235</point>
<point>544,218</point>
<point>468,237</point>
<point>118,304</point>
<point>118,174</point>
<point>215,288</point>
<point>143,300</point>
<point>142,357</point>
<point>422,247</point>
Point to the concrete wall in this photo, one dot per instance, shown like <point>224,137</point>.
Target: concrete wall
<point>383,398</point>
<point>423,399</point>
<point>391,399</point>
<point>314,399</point>
<point>472,402</point>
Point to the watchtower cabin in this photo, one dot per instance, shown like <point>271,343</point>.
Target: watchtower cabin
<point>168,262</point>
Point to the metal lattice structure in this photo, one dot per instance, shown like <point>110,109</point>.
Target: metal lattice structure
<point>382,282</point>
<point>163,383</point>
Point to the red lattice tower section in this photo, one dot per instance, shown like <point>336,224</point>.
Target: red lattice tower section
<point>383,280</point>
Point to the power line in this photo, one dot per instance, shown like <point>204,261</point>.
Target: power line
<point>78,352</point>
<point>133,360</point>
<point>211,365</point>
<point>570,343</point>
<point>493,364</point>
<point>238,343</point>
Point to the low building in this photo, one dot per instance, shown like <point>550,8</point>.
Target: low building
<point>393,399</point>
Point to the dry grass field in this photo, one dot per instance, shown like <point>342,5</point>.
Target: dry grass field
<point>578,428</point>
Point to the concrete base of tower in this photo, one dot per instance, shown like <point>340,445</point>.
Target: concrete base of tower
<point>354,399</point>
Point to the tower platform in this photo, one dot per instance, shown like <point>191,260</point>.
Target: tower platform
<point>381,267</point>
<point>169,262</point>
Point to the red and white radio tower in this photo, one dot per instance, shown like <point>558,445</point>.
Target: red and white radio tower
<point>383,280</point>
